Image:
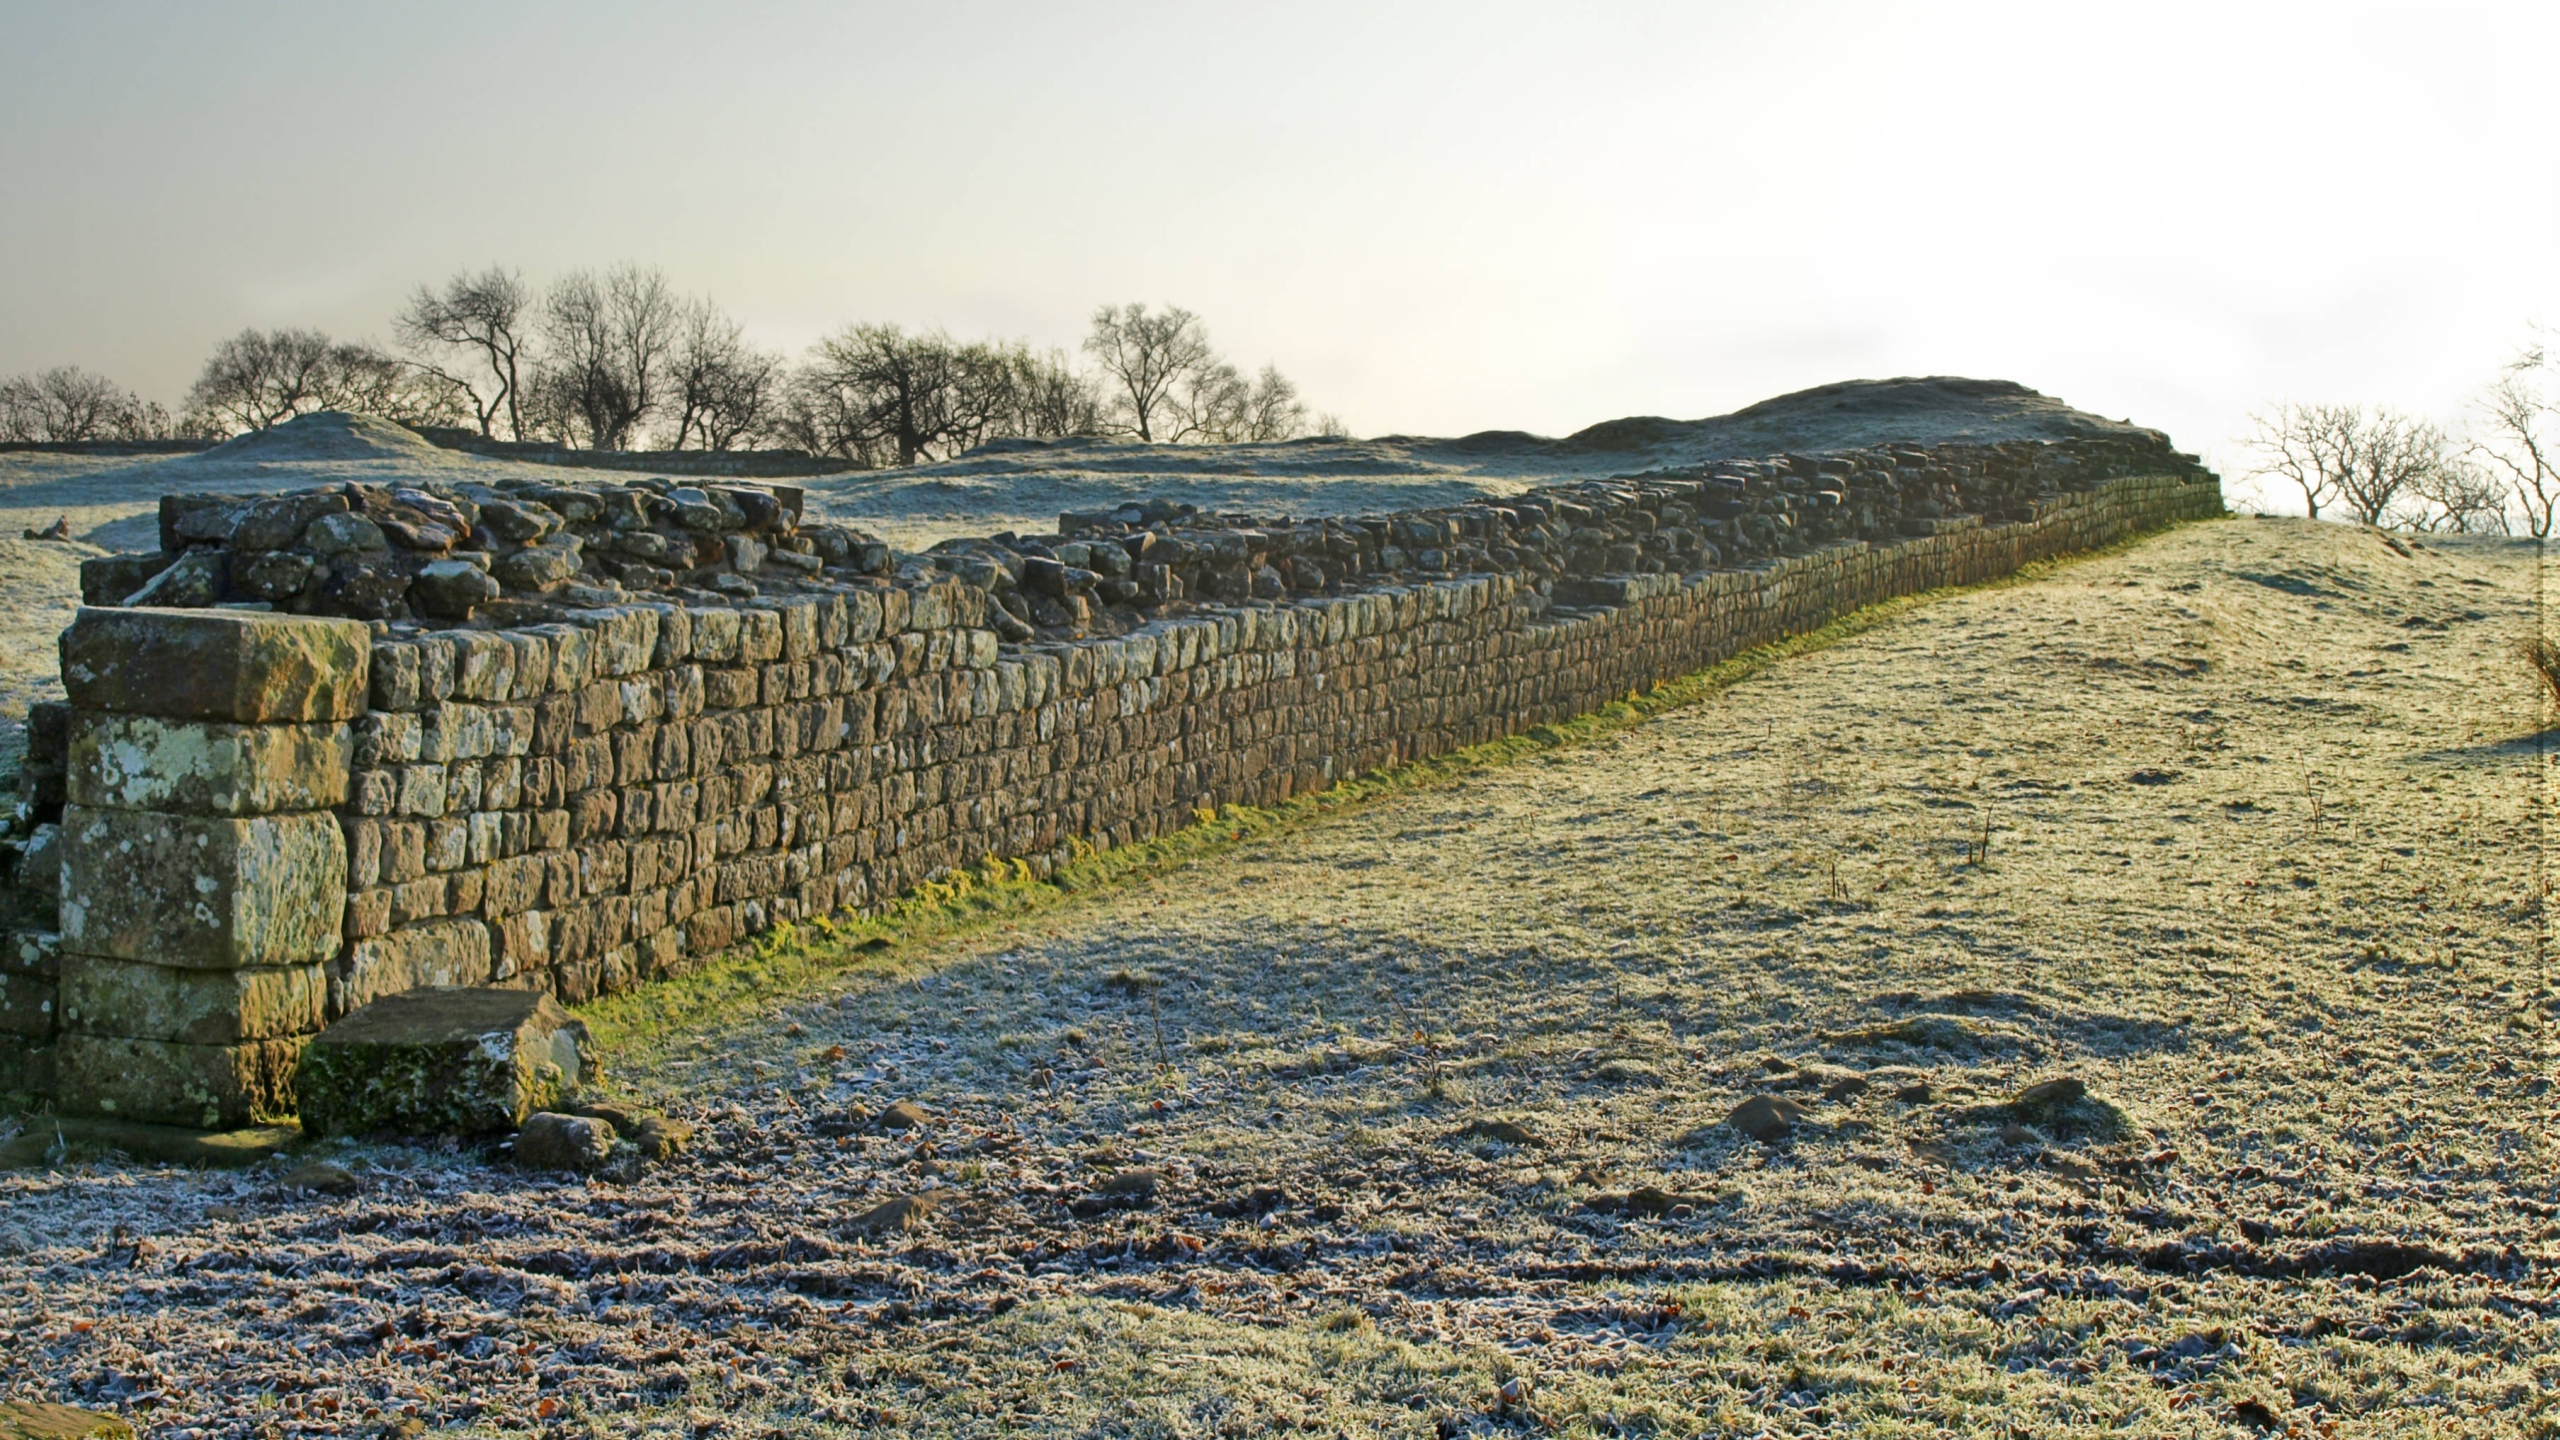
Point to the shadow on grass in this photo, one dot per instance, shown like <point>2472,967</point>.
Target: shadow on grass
<point>2519,747</point>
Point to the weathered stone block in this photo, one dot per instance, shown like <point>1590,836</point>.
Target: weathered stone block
<point>249,667</point>
<point>564,1142</point>
<point>202,892</point>
<point>27,1006</point>
<point>442,1062</point>
<point>102,996</point>
<point>211,1087</point>
<point>32,952</point>
<point>108,579</point>
<point>441,952</point>
<point>199,767</point>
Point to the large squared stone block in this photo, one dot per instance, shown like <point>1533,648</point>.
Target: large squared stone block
<point>29,1005</point>
<point>211,1087</point>
<point>245,666</point>
<point>202,892</point>
<point>206,767</point>
<point>26,1065</point>
<point>103,996</point>
<point>442,1062</point>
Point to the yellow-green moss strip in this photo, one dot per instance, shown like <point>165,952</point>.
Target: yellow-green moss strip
<point>638,1023</point>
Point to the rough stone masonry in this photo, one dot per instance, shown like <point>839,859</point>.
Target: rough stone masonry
<point>342,744</point>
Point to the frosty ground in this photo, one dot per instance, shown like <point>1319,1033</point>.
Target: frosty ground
<point>1416,1111</point>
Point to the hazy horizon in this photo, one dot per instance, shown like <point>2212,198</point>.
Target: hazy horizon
<point>1437,219</point>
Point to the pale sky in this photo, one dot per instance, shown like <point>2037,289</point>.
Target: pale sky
<point>1437,218</point>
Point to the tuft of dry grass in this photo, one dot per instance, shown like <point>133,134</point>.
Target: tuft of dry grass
<point>2544,656</point>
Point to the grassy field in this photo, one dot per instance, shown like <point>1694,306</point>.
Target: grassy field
<point>1410,1116</point>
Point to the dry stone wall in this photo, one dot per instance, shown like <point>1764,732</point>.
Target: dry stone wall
<point>272,819</point>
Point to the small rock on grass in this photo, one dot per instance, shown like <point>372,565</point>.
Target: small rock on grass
<point>1765,1117</point>
<point>1260,1200</point>
<point>1646,1200</point>
<point>319,1177</point>
<point>625,1122</point>
<point>890,1217</point>
<point>1627,1072</point>
<point>553,1141</point>
<point>904,1115</point>
<point>1138,1184</point>
<point>662,1137</point>
<point>1507,1132</point>
<point>2052,1094</point>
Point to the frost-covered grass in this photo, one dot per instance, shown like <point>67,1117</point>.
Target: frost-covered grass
<point>2263,826</point>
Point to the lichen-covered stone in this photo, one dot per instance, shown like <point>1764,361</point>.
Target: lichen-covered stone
<point>245,666</point>
<point>551,1141</point>
<point>38,873</point>
<point>108,579</point>
<point>449,589</point>
<point>26,1066</point>
<point>203,767</point>
<point>199,1007</point>
<point>31,952</point>
<point>28,1005</point>
<point>195,579</point>
<point>210,1087</point>
<point>204,892</point>
<point>442,1062</point>
<point>446,952</point>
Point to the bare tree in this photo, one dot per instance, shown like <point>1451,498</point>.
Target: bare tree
<point>1206,406</point>
<point>1050,398</point>
<point>261,378</point>
<point>722,389</point>
<point>1146,359</point>
<point>68,403</point>
<point>2305,445</point>
<point>2458,495</point>
<point>607,342</point>
<point>2519,421</point>
<point>2369,460</point>
<point>1272,409</point>
<point>1168,385</point>
<point>2390,457</point>
<point>479,319</point>
<point>875,391</point>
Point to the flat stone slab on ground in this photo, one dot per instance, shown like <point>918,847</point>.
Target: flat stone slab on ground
<point>463,1061</point>
<point>84,1138</point>
<point>166,1082</point>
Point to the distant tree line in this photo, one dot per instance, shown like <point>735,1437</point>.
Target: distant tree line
<point>2386,468</point>
<point>619,360</point>
<point>68,403</point>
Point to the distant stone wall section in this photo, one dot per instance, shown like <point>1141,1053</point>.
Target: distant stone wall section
<point>583,805</point>
<point>737,464</point>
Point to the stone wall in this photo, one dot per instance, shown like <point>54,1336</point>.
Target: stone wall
<point>604,798</point>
